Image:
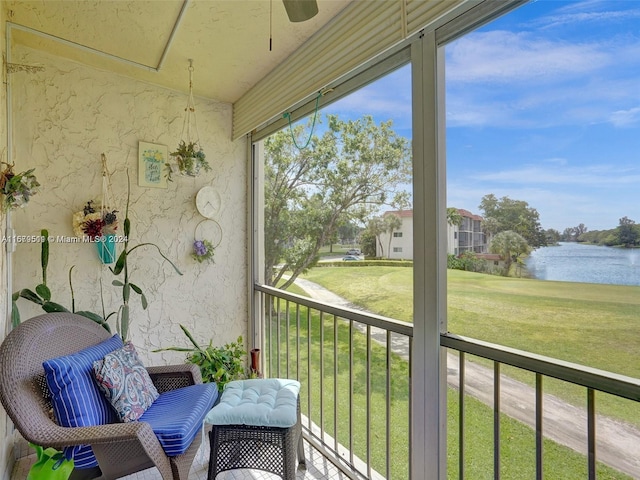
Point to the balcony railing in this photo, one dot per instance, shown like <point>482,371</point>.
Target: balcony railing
<point>354,370</point>
<point>591,379</point>
<point>356,388</point>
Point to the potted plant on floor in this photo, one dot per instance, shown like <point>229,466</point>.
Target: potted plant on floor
<point>217,364</point>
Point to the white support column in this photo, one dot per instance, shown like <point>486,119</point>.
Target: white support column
<point>428,368</point>
<point>256,240</point>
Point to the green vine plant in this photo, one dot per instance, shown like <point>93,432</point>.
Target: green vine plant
<point>217,364</point>
<point>189,157</point>
<point>42,294</point>
<point>122,267</point>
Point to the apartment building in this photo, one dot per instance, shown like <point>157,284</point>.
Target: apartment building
<point>466,237</point>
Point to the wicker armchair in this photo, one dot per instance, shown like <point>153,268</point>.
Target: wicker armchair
<point>120,448</point>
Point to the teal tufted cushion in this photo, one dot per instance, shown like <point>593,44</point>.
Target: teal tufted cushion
<point>270,402</point>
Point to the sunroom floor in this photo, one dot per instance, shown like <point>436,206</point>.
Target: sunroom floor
<point>318,467</point>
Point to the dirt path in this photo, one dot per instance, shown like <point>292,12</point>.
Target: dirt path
<point>618,443</point>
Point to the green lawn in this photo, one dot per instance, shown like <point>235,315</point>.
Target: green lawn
<point>517,440</point>
<point>588,324</point>
<point>319,382</point>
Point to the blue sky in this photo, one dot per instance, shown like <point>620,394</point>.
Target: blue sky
<point>542,105</point>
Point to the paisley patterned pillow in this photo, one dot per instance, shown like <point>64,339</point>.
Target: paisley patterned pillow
<point>122,378</point>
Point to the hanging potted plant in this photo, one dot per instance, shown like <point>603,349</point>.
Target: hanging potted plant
<point>17,188</point>
<point>98,223</point>
<point>190,158</point>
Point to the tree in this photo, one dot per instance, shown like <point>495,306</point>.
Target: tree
<point>490,226</point>
<point>579,230</point>
<point>368,243</point>
<point>392,222</point>
<point>553,236</point>
<point>509,245</point>
<point>627,233</point>
<point>569,235</point>
<point>348,232</point>
<point>375,228</point>
<point>345,174</point>
<point>515,215</point>
<point>574,234</point>
<point>453,217</point>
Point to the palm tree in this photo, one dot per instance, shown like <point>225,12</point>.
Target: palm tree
<point>454,217</point>
<point>392,222</point>
<point>509,245</point>
<point>376,227</point>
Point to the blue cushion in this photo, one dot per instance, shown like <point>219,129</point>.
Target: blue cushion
<point>270,402</point>
<point>176,416</point>
<point>77,401</point>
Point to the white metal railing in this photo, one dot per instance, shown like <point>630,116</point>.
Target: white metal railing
<point>592,379</point>
<point>356,387</point>
<point>354,370</point>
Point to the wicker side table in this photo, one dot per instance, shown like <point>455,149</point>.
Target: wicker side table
<point>242,445</point>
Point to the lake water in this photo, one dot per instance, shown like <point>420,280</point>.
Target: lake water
<point>573,262</point>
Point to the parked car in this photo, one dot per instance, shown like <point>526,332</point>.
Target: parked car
<point>348,258</point>
<point>353,251</point>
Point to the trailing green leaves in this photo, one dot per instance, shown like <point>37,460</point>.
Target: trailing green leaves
<point>217,364</point>
<point>96,318</point>
<point>42,295</point>
<point>159,252</point>
<point>120,263</point>
<point>44,292</point>
<point>122,268</point>
<point>31,296</point>
<point>15,313</point>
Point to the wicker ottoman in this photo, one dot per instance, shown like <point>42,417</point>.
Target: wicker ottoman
<point>256,425</point>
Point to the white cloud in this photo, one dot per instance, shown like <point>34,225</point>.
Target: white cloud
<point>387,98</point>
<point>531,78</point>
<point>594,11</point>
<point>375,101</point>
<point>625,118</point>
<point>503,56</point>
<point>556,85</point>
<point>592,176</point>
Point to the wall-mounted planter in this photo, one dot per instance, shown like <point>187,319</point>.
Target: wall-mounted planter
<point>106,246</point>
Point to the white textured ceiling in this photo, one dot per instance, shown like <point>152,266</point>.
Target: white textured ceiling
<point>228,40</point>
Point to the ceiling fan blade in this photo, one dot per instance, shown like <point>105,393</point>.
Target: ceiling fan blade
<point>300,10</point>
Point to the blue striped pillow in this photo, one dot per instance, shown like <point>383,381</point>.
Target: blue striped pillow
<point>77,401</point>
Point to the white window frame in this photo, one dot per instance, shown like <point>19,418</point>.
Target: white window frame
<point>428,361</point>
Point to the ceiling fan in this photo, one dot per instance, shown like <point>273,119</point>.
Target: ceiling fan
<point>300,10</point>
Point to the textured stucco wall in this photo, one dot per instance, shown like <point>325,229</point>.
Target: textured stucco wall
<point>64,118</point>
